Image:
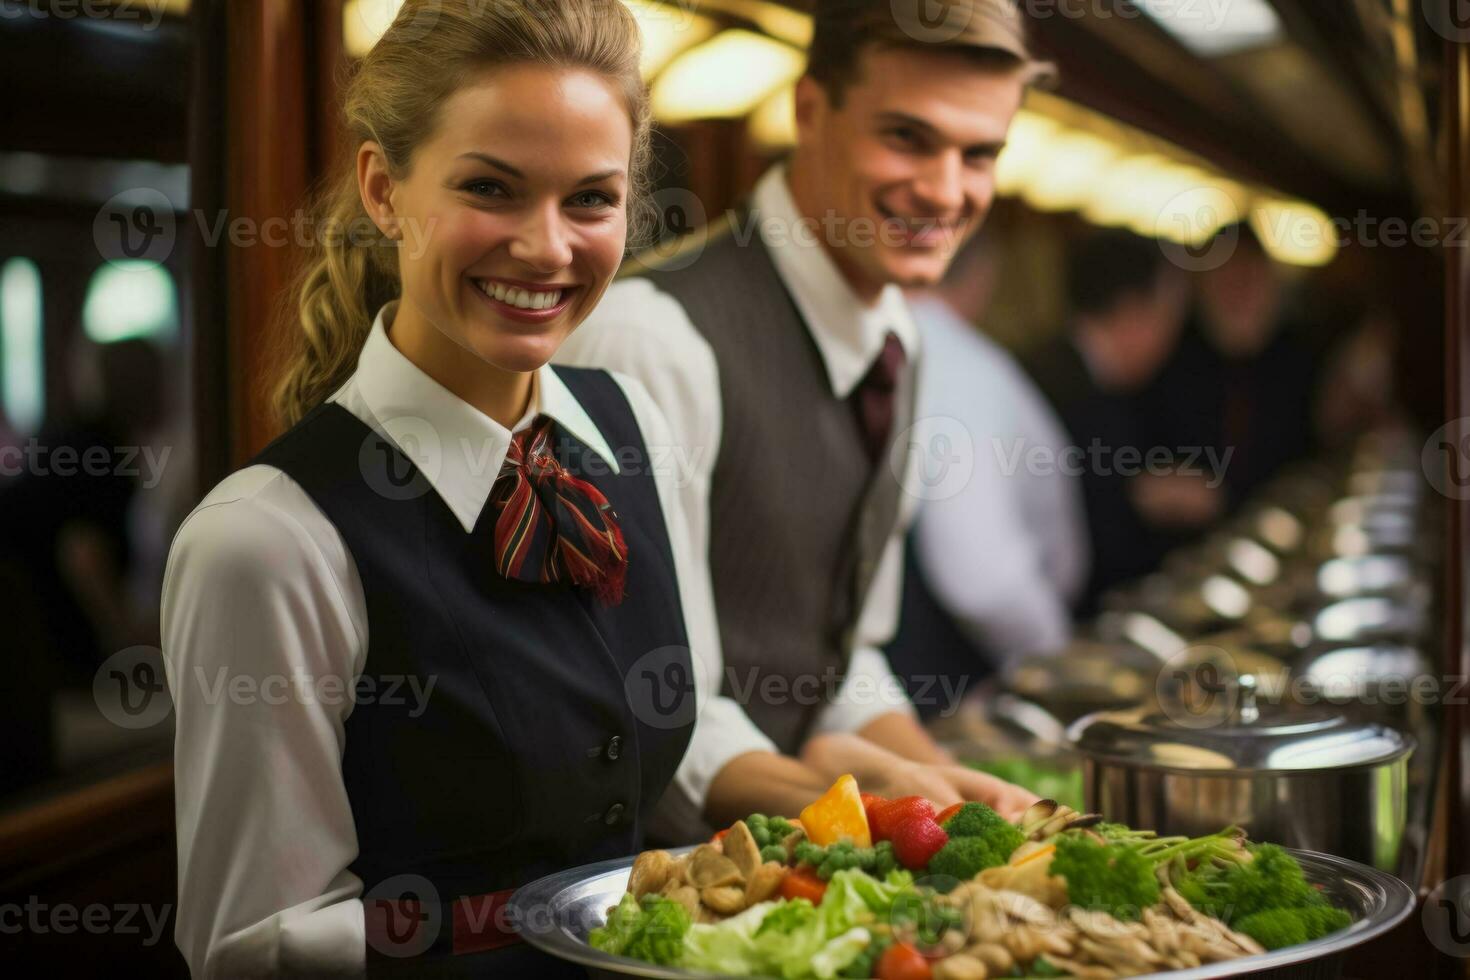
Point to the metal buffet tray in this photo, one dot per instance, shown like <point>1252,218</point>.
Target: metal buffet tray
<point>556,913</point>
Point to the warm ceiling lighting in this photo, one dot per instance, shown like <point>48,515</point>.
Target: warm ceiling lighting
<point>725,77</point>
<point>1026,143</point>
<point>773,123</point>
<point>364,21</point>
<point>1192,205</point>
<point>1213,29</point>
<point>1066,174</point>
<point>667,29</point>
<point>1294,232</point>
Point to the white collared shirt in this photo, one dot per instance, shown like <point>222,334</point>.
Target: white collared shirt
<point>1006,553</point>
<point>260,586</point>
<point>644,332</point>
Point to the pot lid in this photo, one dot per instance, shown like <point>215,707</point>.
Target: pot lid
<point>1232,730</point>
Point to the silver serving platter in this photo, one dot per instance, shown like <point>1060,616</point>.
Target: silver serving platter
<point>556,913</point>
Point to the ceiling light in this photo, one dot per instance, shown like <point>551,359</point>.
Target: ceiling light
<point>725,77</point>
<point>773,124</point>
<point>1066,173</point>
<point>1217,27</point>
<point>1294,232</point>
<point>667,29</point>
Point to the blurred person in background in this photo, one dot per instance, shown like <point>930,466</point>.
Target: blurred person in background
<point>779,344</point>
<point>67,555</point>
<point>65,518</point>
<point>1241,380</point>
<point>994,567</point>
<point>1127,307</point>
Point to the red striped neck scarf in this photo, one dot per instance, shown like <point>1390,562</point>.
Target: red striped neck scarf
<point>551,526</point>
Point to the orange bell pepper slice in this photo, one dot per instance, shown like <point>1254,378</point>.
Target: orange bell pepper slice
<point>838,815</point>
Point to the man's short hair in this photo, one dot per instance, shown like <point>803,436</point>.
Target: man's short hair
<point>993,32</point>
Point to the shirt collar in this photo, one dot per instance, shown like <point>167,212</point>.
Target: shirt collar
<point>848,333</point>
<point>458,448</point>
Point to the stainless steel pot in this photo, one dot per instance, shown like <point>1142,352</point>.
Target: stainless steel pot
<point>1303,777</point>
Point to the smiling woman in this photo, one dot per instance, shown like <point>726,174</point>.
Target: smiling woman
<point>464,540</point>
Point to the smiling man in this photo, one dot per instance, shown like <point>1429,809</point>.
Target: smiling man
<point>779,344</point>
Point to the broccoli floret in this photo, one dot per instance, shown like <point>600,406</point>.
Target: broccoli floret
<point>1111,877</point>
<point>965,857</point>
<point>652,931</point>
<point>1275,928</point>
<point>867,961</point>
<point>979,820</point>
<point>1272,879</point>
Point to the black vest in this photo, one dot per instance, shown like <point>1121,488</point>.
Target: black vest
<point>799,514</point>
<point>554,724</point>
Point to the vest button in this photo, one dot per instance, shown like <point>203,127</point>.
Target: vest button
<point>614,748</point>
<point>613,815</point>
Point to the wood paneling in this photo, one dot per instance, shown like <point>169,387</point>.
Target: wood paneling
<point>267,159</point>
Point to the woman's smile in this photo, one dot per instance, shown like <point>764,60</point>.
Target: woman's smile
<point>525,302</point>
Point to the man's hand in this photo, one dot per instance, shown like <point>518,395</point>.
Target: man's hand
<point>890,775</point>
<point>1007,799</point>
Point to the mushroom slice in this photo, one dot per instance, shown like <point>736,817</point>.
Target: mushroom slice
<point>724,899</point>
<point>741,848</point>
<point>764,883</point>
<point>650,871</point>
<point>1047,818</point>
<point>997,959</point>
<point>687,897</point>
<point>708,868</point>
<point>960,967</point>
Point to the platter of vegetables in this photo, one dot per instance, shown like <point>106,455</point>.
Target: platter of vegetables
<point>863,887</point>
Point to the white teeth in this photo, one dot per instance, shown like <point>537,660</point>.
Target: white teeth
<point>520,298</point>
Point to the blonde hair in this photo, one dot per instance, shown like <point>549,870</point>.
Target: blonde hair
<point>393,98</point>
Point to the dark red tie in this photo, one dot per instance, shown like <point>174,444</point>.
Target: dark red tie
<point>551,526</point>
<point>873,398</point>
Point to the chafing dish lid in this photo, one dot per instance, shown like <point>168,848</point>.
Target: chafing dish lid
<point>1233,731</point>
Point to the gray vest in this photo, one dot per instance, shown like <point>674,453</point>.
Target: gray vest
<point>798,515</point>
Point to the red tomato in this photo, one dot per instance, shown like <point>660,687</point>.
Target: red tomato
<point>719,836</point>
<point>902,962</point>
<point>803,884</point>
<point>948,812</point>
